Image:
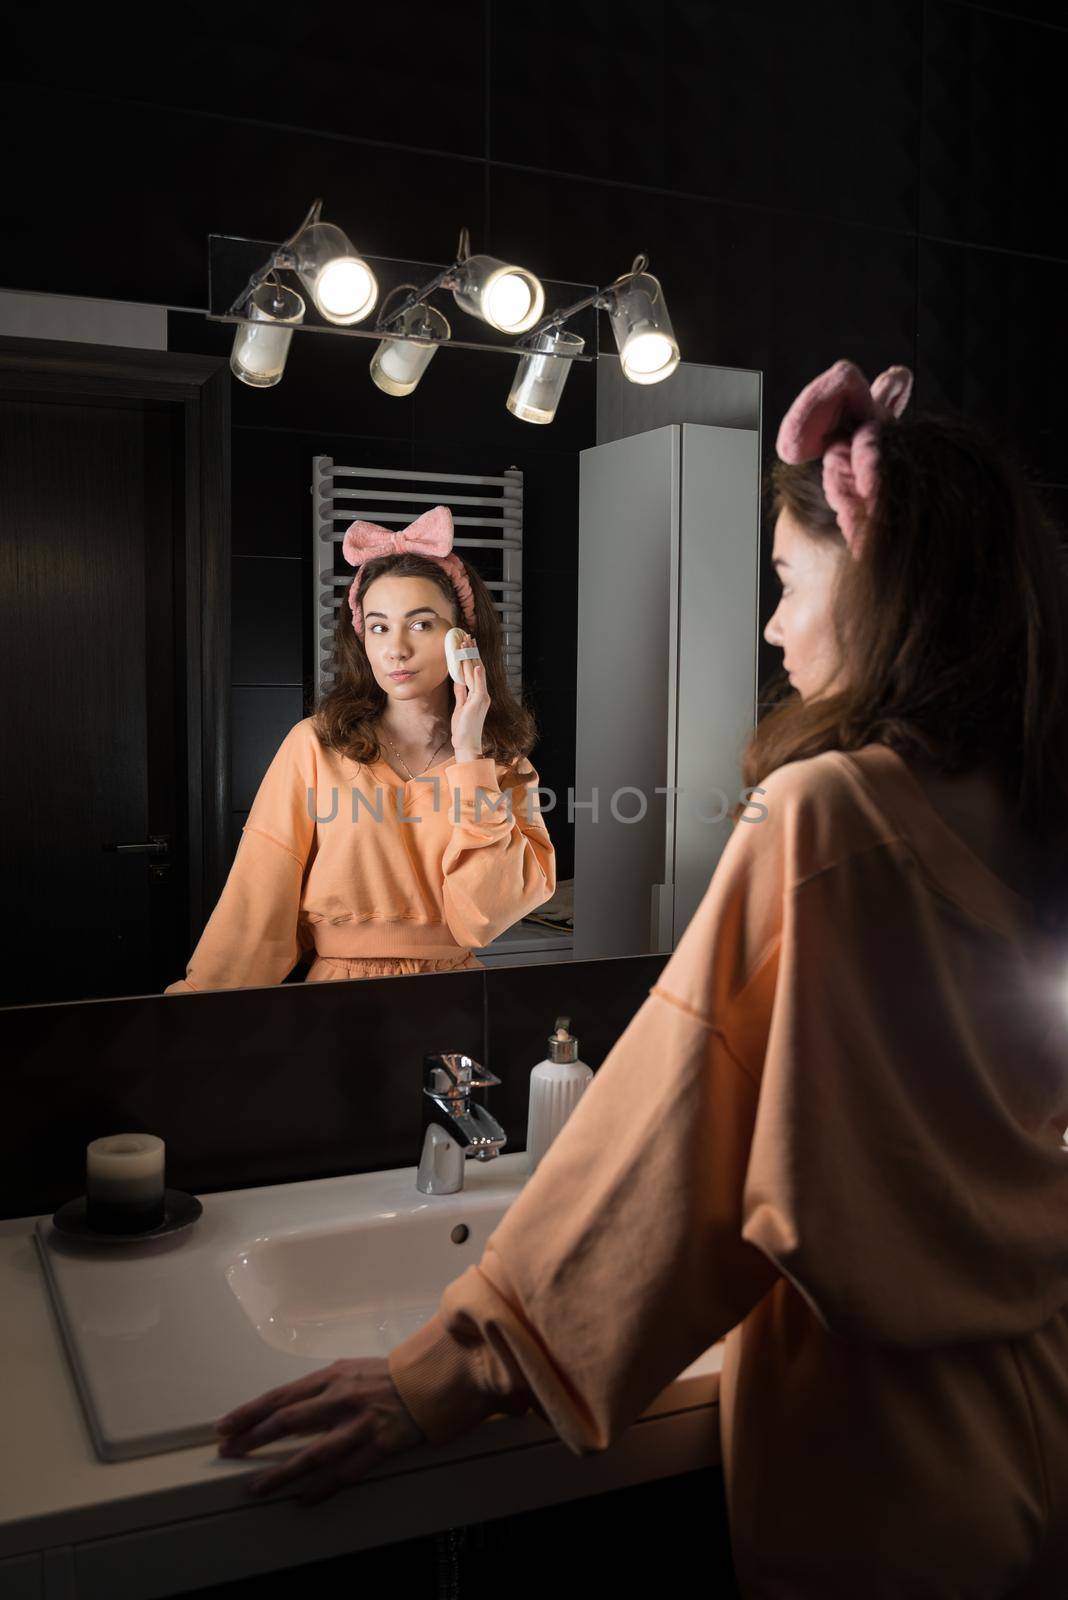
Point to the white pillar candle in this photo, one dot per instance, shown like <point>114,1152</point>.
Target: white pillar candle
<point>124,1183</point>
<point>125,1168</point>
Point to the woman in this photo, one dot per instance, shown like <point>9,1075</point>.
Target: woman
<point>398,827</point>
<point>833,1131</point>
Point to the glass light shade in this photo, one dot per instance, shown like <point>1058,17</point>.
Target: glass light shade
<point>258,354</point>
<point>540,377</point>
<point>341,285</point>
<point>508,298</point>
<point>398,364</point>
<point>644,338</point>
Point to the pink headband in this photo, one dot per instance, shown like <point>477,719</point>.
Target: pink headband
<point>840,399</point>
<point>429,535</point>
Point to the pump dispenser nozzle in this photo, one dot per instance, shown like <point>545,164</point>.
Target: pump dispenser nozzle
<point>563,1046</point>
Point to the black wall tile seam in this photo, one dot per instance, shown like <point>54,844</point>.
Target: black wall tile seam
<point>1006,16</point>
<point>987,249</point>
<point>47,91</point>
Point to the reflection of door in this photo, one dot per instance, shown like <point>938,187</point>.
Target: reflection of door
<point>113,519</point>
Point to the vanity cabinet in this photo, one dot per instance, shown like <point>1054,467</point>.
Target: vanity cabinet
<point>173,1558</point>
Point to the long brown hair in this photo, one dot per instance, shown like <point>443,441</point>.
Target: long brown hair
<point>952,628</point>
<point>345,715</point>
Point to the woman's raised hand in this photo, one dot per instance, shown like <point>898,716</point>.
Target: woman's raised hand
<point>472,704</point>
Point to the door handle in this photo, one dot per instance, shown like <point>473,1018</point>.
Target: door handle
<point>157,844</point>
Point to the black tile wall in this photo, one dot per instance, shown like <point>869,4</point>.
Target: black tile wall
<point>986,180</point>
<point>276,1085</point>
<point>757,105</point>
<point>261,718</point>
<point>983,314</point>
<point>300,68</point>
<point>268,604</point>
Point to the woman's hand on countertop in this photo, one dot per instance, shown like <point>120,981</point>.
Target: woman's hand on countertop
<point>353,1404</point>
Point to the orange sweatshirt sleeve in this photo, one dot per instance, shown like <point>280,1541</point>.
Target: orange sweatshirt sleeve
<point>500,862</point>
<point>251,938</point>
<point>622,1258</point>
<point>844,1077</point>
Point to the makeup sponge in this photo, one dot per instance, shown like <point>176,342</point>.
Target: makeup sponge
<point>456,651</point>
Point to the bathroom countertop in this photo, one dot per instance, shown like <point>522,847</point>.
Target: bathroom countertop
<point>54,1489</point>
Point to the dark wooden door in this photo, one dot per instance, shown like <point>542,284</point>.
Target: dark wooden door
<point>94,739</point>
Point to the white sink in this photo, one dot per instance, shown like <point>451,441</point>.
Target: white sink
<point>362,1285</point>
<point>268,1284</point>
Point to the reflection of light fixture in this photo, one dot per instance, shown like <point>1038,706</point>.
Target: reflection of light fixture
<point>644,338</point>
<point>344,290</point>
<point>507,297</point>
<point>540,377</point>
<point>398,364</point>
<point>258,354</point>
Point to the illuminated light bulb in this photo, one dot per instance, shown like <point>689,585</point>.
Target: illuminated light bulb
<point>345,288</point>
<point>505,296</point>
<point>508,301</point>
<point>648,357</point>
<point>338,280</point>
<point>648,349</point>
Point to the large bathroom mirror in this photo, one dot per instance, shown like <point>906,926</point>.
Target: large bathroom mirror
<point>621,546</point>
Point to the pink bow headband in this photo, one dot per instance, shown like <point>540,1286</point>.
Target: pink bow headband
<point>429,535</point>
<point>841,399</point>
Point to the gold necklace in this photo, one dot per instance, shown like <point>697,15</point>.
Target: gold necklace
<point>404,763</point>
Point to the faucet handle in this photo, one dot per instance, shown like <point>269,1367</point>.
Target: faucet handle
<point>451,1073</point>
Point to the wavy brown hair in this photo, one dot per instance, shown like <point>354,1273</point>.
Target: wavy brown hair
<point>952,629</point>
<point>344,716</point>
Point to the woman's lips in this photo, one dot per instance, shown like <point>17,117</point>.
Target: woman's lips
<point>398,676</point>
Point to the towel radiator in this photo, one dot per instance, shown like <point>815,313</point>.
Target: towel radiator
<point>487,515</point>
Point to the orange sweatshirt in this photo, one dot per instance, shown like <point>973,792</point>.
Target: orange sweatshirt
<point>351,859</point>
<point>831,1133</point>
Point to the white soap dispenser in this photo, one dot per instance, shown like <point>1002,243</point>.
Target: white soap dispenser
<point>556,1087</point>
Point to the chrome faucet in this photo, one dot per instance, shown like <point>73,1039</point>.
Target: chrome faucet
<point>454,1127</point>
